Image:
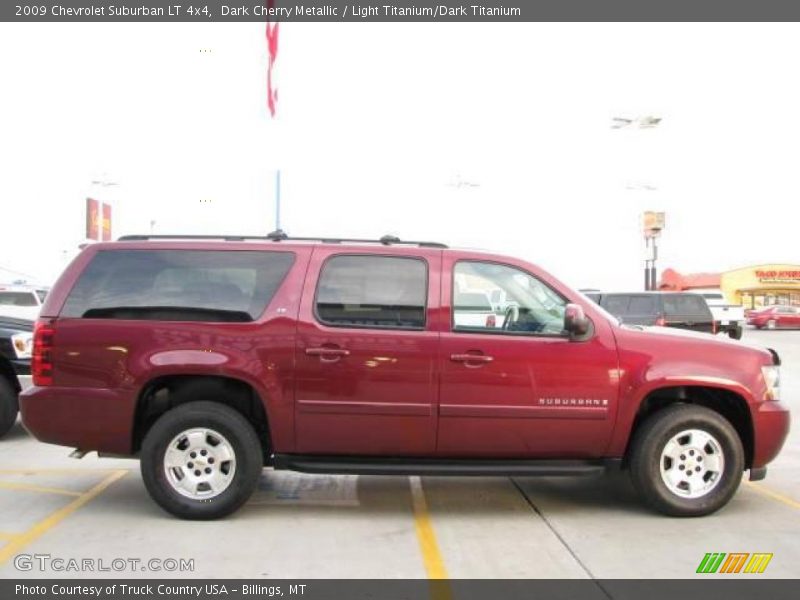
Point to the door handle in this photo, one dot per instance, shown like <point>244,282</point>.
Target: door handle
<point>328,353</point>
<point>482,358</point>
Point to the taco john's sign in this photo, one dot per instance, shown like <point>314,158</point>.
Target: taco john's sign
<point>778,276</point>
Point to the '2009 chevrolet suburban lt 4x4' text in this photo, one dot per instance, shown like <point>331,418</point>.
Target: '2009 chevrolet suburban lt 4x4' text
<point>211,358</point>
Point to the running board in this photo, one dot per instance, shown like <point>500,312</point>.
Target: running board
<point>350,465</point>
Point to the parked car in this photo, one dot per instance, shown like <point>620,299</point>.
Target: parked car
<point>729,318</point>
<point>209,359</point>
<point>21,302</point>
<point>16,346</point>
<point>681,310</point>
<point>477,310</point>
<point>775,317</point>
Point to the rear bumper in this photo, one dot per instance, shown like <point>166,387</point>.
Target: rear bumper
<point>770,427</point>
<point>89,419</point>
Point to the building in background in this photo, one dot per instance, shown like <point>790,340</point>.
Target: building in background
<point>752,287</point>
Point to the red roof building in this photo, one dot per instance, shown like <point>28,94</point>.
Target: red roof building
<point>671,280</point>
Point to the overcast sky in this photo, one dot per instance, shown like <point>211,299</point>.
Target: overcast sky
<point>491,136</point>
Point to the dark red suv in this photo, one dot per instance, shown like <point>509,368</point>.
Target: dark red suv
<point>211,358</point>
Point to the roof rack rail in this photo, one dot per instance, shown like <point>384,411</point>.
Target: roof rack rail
<point>279,236</point>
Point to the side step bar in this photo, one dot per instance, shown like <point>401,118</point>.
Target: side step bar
<point>350,465</point>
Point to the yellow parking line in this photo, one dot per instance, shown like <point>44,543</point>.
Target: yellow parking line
<point>54,471</point>
<point>7,535</point>
<point>774,495</point>
<point>20,541</point>
<point>431,556</point>
<point>27,487</point>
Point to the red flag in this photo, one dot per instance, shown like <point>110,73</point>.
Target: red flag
<point>272,50</point>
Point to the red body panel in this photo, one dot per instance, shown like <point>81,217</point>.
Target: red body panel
<point>519,404</point>
<point>381,399</point>
<point>394,392</point>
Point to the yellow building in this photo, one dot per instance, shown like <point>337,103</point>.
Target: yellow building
<point>762,285</point>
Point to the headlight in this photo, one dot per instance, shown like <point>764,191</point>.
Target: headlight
<point>23,344</point>
<point>772,377</point>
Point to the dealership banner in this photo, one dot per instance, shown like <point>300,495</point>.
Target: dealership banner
<point>399,11</point>
<point>733,588</point>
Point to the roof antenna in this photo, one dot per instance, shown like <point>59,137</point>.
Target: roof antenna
<point>277,235</point>
<point>388,240</point>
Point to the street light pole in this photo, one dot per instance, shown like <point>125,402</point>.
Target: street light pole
<point>652,229</point>
<point>278,200</point>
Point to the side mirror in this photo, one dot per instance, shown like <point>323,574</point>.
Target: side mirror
<point>576,324</point>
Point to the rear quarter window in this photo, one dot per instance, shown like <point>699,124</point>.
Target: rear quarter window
<point>616,305</point>
<point>178,285</point>
<point>17,299</point>
<point>686,305</point>
<point>643,305</point>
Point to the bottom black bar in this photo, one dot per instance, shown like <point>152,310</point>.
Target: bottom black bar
<point>734,587</point>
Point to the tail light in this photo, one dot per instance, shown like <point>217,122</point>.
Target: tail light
<point>661,321</point>
<point>42,363</point>
<point>491,321</point>
<point>713,327</point>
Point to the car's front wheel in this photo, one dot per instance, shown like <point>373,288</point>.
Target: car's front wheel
<point>687,461</point>
<point>201,460</point>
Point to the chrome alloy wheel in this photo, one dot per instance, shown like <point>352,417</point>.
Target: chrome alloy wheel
<point>199,463</point>
<point>692,463</point>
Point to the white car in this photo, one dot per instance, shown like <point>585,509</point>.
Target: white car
<point>474,309</point>
<point>728,317</point>
<point>21,302</point>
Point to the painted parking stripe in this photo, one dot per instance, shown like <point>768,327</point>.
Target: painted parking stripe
<point>63,471</point>
<point>761,489</point>
<point>18,542</point>
<point>426,536</point>
<point>7,535</point>
<point>28,487</point>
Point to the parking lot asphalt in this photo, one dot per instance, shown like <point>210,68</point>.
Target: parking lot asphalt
<point>303,526</point>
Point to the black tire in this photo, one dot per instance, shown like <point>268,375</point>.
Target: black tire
<point>647,447</point>
<point>227,422</point>
<point>735,334</point>
<point>9,405</point>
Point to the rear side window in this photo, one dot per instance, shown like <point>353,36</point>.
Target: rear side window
<point>685,305</point>
<point>178,285</point>
<point>378,292</point>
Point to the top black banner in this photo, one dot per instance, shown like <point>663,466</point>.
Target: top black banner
<point>398,11</point>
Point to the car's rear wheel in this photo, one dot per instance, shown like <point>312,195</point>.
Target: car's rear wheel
<point>686,461</point>
<point>735,333</point>
<point>9,406</point>
<point>201,460</point>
